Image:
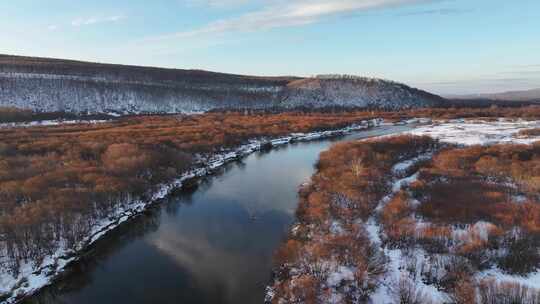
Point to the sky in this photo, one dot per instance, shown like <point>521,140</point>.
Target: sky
<point>444,46</point>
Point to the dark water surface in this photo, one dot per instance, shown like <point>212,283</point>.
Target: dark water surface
<point>213,244</point>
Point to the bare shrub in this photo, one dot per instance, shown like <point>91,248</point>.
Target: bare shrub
<point>464,291</point>
<point>406,292</point>
<point>523,255</point>
<point>530,132</point>
<point>494,292</point>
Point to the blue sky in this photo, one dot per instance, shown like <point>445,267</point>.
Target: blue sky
<point>445,46</point>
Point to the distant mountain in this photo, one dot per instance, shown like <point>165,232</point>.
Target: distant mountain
<point>527,95</point>
<point>49,85</point>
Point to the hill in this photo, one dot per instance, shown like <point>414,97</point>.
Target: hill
<point>52,85</point>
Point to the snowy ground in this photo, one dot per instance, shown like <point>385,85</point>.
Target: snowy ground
<point>479,132</point>
<point>462,133</point>
<point>397,268</point>
<point>459,132</point>
<point>31,279</point>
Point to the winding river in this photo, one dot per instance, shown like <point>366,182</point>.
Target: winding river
<point>210,244</point>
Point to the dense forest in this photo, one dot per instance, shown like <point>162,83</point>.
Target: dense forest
<point>53,85</point>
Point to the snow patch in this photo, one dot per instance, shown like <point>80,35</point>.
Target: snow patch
<point>342,273</point>
<point>479,132</point>
<point>531,280</point>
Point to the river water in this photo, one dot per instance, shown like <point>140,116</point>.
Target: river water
<point>211,244</point>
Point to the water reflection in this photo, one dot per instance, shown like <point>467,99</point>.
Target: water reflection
<point>211,243</point>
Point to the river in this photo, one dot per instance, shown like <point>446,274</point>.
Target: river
<point>210,244</point>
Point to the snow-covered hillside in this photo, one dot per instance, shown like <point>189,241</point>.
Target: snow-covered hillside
<point>50,85</point>
<point>350,91</point>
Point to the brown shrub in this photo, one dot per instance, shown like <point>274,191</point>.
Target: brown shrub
<point>464,291</point>
<point>288,252</point>
<point>125,159</point>
<point>530,132</point>
<point>397,208</point>
<point>406,292</point>
<point>522,256</point>
<point>462,201</point>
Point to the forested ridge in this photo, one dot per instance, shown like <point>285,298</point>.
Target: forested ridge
<point>54,85</point>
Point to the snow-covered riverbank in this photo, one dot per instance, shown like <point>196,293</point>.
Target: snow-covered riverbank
<point>409,269</point>
<point>31,279</point>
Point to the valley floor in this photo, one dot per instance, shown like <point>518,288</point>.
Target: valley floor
<point>30,263</point>
<point>64,185</point>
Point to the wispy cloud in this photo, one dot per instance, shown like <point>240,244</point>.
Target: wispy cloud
<point>52,27</point>
<point>96,20</point>
<point>279,14</point>
<point>442,11</point>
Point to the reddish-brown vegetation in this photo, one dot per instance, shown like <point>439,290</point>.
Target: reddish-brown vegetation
<point>466,209</point>
<point>351,179</point>
<point>56,182</point>
<point>398,224</point>
<point>480,183</point>
<point>491,190</point>
<point>530,132</point>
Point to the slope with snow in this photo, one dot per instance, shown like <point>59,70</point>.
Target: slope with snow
<point>51,85</point>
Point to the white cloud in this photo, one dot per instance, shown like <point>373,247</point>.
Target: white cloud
<point>287,14</point>
<point>96,20</point>
<point>441,11</point>
<point>52,27</point>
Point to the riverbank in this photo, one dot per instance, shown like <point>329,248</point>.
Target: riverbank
<point>32,279</point>
<point>130,207</point>
<point>422,217</point>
